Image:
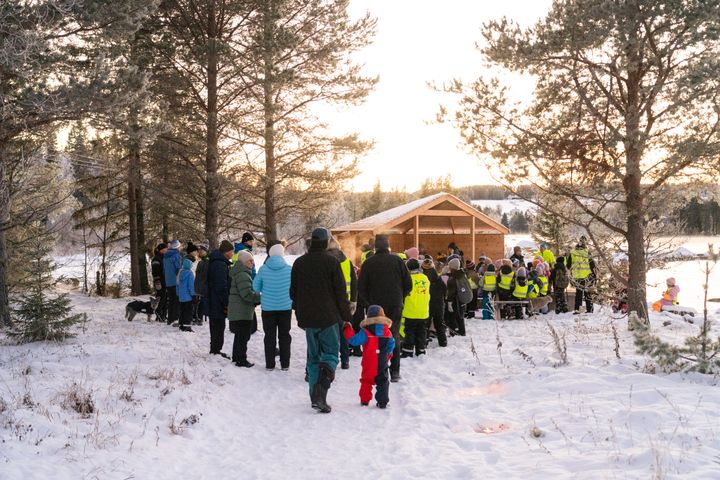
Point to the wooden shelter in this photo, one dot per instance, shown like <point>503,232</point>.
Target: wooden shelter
<point>429,223</point>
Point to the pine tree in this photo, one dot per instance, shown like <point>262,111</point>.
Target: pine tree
<point>603,131</point>
<point>300,59</point>
<point>504,220</point>
<point>39,314</point>
<point>551,229</point>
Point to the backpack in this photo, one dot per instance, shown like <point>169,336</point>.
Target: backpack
<point>464,292</point>
<point>562,280</point>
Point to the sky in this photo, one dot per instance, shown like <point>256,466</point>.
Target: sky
<point>421,41</point>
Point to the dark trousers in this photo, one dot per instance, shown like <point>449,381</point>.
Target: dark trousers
<point>161,310</point>
<point>242,330</point>
<point>394,313</point>
<point>186,313</point>
<point>415,335</point>
<point>518,309</point>
<point>197,308</point>
<point>560,301</point>
<point>582,292</point>
<point>173,305</point>
<point>437,315</point>
<point>217,334</point>
<point>344,346</point>
<point>455,320</point>
<point>276,325</point>
<point>505,310</point>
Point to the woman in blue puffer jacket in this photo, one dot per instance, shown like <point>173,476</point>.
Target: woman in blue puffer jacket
<point>273,283</point>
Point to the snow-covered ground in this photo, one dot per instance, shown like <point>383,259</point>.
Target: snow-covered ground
<point>165,409</point>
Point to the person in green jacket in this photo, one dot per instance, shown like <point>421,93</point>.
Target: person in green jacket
<point>241,306</point>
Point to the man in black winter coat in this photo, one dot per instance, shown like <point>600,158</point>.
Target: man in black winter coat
<point>158,275</point>
<point>438,291</point>
<point>385,281</point>
<point>319,296</point>
<point>217,293</point>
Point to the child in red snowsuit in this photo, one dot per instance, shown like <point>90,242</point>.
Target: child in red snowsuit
<point>378,344</point>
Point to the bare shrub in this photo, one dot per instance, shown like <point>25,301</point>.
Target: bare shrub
<point>525,356</point>
<point>77,398</point>
<point>560,344</point>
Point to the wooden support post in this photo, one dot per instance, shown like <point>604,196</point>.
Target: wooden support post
<point>472,237</point>
<point>417,231</point>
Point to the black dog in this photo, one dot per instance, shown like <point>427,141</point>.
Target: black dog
<point>137,306</point>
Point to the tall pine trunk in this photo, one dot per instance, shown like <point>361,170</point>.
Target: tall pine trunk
<point>135,250</point>
<point>142,247</point>
<point>269,134</point>
<point>632,183</point>
<point>5,319</point>
<point>212,185</point>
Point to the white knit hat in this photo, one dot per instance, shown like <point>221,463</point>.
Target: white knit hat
<point>277,251</point>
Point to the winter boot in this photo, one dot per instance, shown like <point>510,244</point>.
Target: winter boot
<point>319,396</point>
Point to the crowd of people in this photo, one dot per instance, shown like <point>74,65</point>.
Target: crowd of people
<point>387,308</point>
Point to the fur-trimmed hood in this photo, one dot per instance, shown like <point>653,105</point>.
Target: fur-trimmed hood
<point>376,321</point>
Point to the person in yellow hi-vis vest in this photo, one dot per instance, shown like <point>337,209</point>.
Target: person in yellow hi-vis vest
<point>582,272</point>
<point>416,312</point>
<point>348,270</point>
<point>521,289</point>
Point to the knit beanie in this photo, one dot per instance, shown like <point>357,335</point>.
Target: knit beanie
<point>454,264</point>
<point>277,251</point>
<point>490,268</point>
<point>226,246</point>
<point>413,264</point>
<point>521,272</point>
<point>191,247</point>
<point>161,246</point>
<point>243,256</point>
<point>375,311</point>
<point>412,252</point>
<point>382,242</point>
<point>671,281</point>
<point>247,236</point>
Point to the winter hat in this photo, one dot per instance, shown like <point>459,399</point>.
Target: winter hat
<point>521,272</point>
<point>277,251</point>
<point>375,311</point>
<point>246,237</point>
<point>671,281</point>
<point>226,246</point>
<point>319,238</point>
<point>161,246</point>
<point>191,247</point>
<point>543,245</point>
<point>540,270</point>
<point>469,265</point>
<point>174,244</point>
<point>454,264</point>
<point>428,262</point>
<point>412,252</point>
<point>203,247</point>
<point>382,242</point>
<point>187,264</point>
<point>243,256</point>
<point>490,268</point>
<point>413,264</point>
<point>507,262</point>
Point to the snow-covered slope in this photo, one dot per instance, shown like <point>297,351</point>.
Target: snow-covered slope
<point>164,409</point>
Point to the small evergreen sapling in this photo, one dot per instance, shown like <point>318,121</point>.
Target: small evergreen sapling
<point>39,314</point>
<point>699,353</point>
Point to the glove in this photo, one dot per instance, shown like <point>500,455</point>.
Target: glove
<point>348,330</point>
<point>353,308</point>
<point>158,285</point>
